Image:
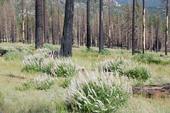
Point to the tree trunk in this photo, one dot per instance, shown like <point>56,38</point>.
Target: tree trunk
<point>166,34</point>
<point>66,42</point>
<point>88,42</point>
<point>23,22</point>
<point>101,32</point>
<point>39,24</point>
<point>133,28</point>
<point>144,31</point>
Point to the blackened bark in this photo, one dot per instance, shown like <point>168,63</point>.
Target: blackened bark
<point>88,43</point>
<point>38,23</point>
<point>133,28</point>
<point>66,42</point>
<point>101,32</point>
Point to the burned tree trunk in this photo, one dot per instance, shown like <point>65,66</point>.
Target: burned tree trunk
<point>39,23</point>
<point>133,28</point>
<point>101,32</point>
<point>66,42</point>
<point>88,42</point>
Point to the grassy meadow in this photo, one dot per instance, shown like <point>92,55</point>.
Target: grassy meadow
<point>18,98</point>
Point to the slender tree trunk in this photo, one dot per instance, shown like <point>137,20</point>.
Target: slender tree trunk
<point>110,24</point>
<point>66,42</point>
<point>23,22</point>
<point>52,22</point>
<point>133,28</point>
<point>88,42</point>
<point>144,30</point>
<point>39,23</point>
<point>101,32</point>
<point>167,22</point>
<point>157,35</point>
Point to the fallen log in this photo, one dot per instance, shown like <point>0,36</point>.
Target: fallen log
<point>149,91</point>
<point>3,52</point>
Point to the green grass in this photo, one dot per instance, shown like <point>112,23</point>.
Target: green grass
<point>52,99</point>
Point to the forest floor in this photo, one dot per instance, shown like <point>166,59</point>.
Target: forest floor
<point>52,100</point>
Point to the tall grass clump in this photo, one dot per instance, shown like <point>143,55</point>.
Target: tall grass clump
<point>97,93</point>
<point>42,82</point>
<point>125,68</point>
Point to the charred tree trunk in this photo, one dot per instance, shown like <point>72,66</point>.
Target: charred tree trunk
<point>88,42</point>
<point>133,28</point>
<point>39,23</point>
<point>101,32</point>
<point>66,42</point>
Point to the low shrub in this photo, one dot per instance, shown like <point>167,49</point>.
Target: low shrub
<point>95,93</point>
<point>125,68</point>
<point>140,73</point>
<point>38,63</point>
<point>43,82</point>
<point>57,67</point>
<point>151,58</point>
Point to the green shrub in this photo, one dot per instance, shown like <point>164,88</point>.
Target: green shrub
<point>126,68</point>
<point>140,73</point>
<point>40,83</point>
<point>151,58</point>
<point>64,68</point>
<point>94,93</point>
<point>115,66</point>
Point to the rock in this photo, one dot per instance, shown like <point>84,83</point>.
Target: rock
<point>3,52</point>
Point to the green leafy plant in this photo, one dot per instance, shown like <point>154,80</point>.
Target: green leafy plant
<point>96,94</point>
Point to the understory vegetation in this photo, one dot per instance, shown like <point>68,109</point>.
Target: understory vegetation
<point>39,83</point>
